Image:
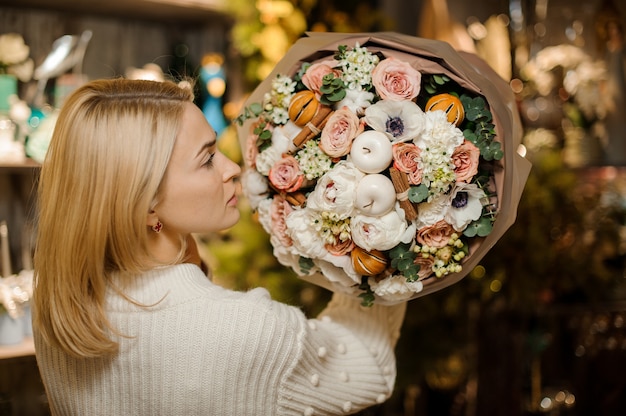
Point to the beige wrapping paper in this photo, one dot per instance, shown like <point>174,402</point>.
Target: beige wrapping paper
<point>431,57</point>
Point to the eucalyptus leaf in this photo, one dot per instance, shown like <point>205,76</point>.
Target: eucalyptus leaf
<point>418,193</point>
<point>306,264</point>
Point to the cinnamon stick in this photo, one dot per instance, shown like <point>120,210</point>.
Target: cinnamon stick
<point>294,198</point>
<point>401,185</point>
<point>314,127</point>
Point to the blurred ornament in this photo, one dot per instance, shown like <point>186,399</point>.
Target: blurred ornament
<point>67,53</point>
<point>150,72</point>
<point>213,79</point>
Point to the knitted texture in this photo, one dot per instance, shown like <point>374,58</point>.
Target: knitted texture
<point>198,349</point>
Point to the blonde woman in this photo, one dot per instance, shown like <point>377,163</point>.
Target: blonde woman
<point>126,320</point>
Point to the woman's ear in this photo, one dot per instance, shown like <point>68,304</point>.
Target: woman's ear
<point>152,218</point>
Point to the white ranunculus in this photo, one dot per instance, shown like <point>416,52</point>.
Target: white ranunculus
<point>254,187</point>
<point>400,120</point>
<point>301,228</point>
<point>378,233</point>
<point>465,205</point>
<point>266,159</point>
<point>335,190</point>
<point>395,288</point>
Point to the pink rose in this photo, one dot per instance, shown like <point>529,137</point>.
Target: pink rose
<point>406,158</point>
<point>279,210</point>
<point>341,128</point>
<point>314,74</point>
<point>465,159</point>
<point>286,175</point>
<point>396,80</point>
<point>436,235</point>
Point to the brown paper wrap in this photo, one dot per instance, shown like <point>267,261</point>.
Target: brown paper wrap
<point>471,73</point>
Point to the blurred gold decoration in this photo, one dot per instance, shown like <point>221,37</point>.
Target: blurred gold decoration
<point>495,46</point>
<point>436,23</point>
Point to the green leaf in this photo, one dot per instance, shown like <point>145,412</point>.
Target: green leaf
<point>480,228</point>
<point>418,193</point>
<point>405,263</point>
<point>336,96</point>
<point>368,296</point>
<point>367,299</point>
<point>256,108</point>
<point>305,264</point>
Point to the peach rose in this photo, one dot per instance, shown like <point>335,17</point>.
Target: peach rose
<point>426,265</point>
<point>465,159</point>
<point>396,80</point>
<point>279,210</point>
<point>286,175</point>
<point>340,130</point>
<point>340,248</point>
<point>406,158</point>
<point>314,74</point>
<point>436,235</point>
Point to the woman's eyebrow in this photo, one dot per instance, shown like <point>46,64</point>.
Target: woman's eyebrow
<point>206,146</point>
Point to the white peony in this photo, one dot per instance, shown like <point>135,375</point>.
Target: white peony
<point>395,288</point>
<point>286,256</point>
<point>301,228</point>
<point>339,269</point>
<point>465,205</point>
<point>378,233</point>
<point>335,190</point>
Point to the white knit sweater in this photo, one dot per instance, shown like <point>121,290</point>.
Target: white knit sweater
<point>205,350</point>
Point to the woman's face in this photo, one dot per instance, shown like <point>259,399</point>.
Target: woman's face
<point>198,193</point>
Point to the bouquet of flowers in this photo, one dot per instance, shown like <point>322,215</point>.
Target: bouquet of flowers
<point>381,165</point>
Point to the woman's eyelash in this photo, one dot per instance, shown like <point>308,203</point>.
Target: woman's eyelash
<point>209,161</point>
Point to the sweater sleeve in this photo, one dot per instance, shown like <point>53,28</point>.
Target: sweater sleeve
<point>346,359</point>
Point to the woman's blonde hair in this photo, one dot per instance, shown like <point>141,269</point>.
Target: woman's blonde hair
<point>101,176</point>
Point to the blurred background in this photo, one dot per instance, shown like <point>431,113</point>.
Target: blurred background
<point>537,328</point>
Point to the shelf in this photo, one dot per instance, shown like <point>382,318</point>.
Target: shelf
<point>199,11</point>
<point>24,349</point>
<point>26,165</point>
